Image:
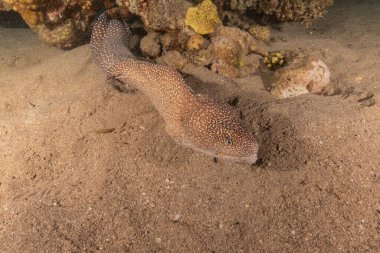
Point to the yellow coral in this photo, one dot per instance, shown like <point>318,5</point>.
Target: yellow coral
<point>275,60</point>
<point>32,18</point>
<point>203,17</point>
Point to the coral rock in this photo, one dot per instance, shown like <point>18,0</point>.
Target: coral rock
<point>58,23</point>
<point>202,57</point>
<point>150,44</point>
<point>229,46</point>
<point>166,41</point>
<point>235,19</point>
<point>32,18</point>
<point>159,15</point>
<point>284,10</point>
<point>302,75</point>
<point>174,59</point>
<point>195,42</point>
<point>260,32</point>
<point>62,36</point>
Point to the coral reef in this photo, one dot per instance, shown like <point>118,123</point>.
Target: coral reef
<point>165,17</point>
<point>158,15</point>
<point>230,18</point>
<point>60,23</point>
<point>284,10</point>
<point>225,36</point>
<point>175,31</point>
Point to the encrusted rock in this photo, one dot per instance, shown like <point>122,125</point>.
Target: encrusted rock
<point>159,15</point>
<point>302,75</point>
<point>166,41</point>
<point>229,45</point>
<point>285,10</point>
<point>195,42</point>
<point>260,32</point>
<point>150,45</point>
<point>173,59</point>
<point>202,57</point>
<point>175,27</point>
<point>58,23</point>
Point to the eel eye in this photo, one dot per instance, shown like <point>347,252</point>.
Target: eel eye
<point>228,141</point>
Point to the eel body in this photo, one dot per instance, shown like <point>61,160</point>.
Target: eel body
<point>193,120</point>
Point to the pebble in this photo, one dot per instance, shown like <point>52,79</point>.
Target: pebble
<point>176,217</point>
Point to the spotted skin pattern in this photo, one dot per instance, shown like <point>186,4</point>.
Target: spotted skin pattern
<point>193,120</point>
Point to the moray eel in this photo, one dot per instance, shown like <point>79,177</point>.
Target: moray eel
<point>193,120</point>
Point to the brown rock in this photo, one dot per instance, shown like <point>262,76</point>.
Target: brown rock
<point>150,44</point>
<point>174,59</point>
<point>302,75</point>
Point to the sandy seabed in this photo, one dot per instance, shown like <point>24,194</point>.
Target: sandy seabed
<point>84,167</point>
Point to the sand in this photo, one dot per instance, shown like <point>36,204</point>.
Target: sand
<point>85,168</point>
